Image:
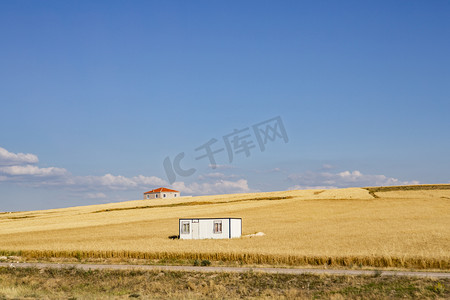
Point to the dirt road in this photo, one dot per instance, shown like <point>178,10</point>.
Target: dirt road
<point>228,269</point>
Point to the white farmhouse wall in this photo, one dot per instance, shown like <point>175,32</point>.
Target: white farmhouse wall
<point>149,196</point>
<point>161,196</point>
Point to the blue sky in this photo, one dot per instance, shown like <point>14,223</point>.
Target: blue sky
<point>96,94</point>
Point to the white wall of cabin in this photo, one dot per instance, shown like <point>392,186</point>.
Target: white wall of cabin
<point>236,228</point>
<point>205,229</point>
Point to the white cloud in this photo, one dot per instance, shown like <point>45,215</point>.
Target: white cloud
<point>216,175</point>
<point>327,167</point>
<point>94,187</point>
<point>95,195</point>
<point>342,179</point>
<point>149,181</point>
<point>274,170</point>
<point>114,182</point>
<point>216,187</point>
<point>8,158</point>
<point>221,167</point>
<point>19,168</point>
<point>32,170</point>
<point>106,181</point>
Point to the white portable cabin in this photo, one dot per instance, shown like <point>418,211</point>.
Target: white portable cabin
<point>210,228</point>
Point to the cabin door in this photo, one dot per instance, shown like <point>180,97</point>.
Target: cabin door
<point>195,229</point>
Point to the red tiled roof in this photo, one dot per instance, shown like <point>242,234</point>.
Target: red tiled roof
<point>161,189</point>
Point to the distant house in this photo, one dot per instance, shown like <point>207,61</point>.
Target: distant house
<point>210,228</point>
<point>161,193</point>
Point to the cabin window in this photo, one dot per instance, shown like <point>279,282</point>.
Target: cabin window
<point>185,228</point>
<point>175,195</point>
<point>156,195</point>
<point>148,196</point>
<point>164,195</point>
<point>217,226</point>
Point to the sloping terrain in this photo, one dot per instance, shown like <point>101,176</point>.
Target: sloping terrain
<point>407,227</point>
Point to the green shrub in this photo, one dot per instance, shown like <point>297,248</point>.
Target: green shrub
<point>438,288</point>
<point>206,262</point>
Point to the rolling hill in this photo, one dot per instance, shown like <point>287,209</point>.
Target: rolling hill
<point>407,226</point>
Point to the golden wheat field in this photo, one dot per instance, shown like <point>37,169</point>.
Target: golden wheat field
<point>382,227</point>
